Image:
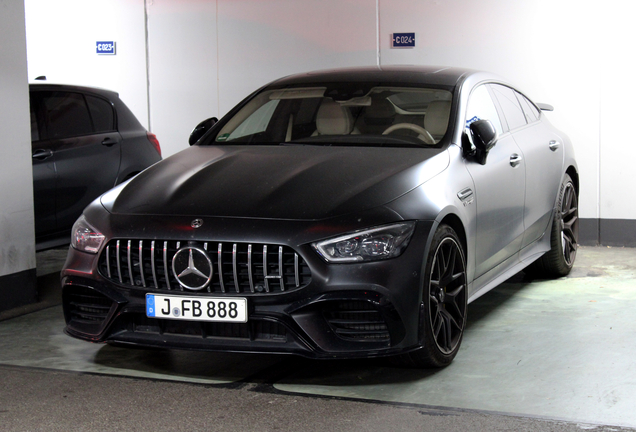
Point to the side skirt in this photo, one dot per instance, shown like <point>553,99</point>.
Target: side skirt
<point>509,267</point>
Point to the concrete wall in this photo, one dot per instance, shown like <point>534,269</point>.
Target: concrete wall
<point>204,56</point>
<point>207,56</point>
<point>183,68</point>
<point>17,236</point>
<point>61,37</point>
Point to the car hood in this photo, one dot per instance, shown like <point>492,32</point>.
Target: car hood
<point>275,182</point>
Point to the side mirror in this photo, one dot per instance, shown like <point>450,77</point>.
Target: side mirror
<point>542,106</point>
<point>201,129</point>
<point>484,137</point>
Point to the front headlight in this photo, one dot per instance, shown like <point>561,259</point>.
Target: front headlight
<point>370,245</point>
<point>86,238</point>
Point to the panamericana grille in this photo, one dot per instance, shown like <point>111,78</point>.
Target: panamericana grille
<point>87,305</point>
<point>238,267</point>
<point>358,321</point>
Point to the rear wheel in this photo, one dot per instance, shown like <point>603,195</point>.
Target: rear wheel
<point>564,236</point>
<point>444,303</point>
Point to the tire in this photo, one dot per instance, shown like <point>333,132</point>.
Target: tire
<point>564,235</point>
<point>444,303</point>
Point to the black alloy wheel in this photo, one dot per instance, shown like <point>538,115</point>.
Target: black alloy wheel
<point>569,224</point>
<point>444,303</point>
<point>447,296</point>
<point>564,237</point>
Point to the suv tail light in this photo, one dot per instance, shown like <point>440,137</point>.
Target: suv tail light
<point>154,141</point>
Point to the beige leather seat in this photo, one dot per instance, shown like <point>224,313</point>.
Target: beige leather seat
<point>333,119</point>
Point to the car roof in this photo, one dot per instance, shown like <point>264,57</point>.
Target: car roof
<point>410,75</point>
<point>73,88</point>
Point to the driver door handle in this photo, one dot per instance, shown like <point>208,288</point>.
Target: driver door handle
<point>108,141</point>
<point>515,160</point>
<point>41,154</point>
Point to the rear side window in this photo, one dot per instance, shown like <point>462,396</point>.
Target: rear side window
<point>101,113</point>
<point>67,115</point>
<point>510,106</point>
<point>531,112</point>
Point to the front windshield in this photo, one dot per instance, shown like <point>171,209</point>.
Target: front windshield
<point>319,115</point>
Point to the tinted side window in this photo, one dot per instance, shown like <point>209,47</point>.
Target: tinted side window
<point>510,106</point>
<point>102,114</point>
<point>257,122</point>
<point>481,107</point>
<point>67,115</point>
<point>531,112</point>
<point>35,124</point>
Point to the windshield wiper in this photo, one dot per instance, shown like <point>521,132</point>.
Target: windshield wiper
<point>359,141</point>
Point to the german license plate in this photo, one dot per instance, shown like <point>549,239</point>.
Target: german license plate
<point>196,308</point>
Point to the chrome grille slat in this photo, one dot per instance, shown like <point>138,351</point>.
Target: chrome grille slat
<point>154,266</point>
<point>178,247</point>
<point>235,268</point>
<point>165,264</point>
<point>265,268</point>
<point>108,272</point>
<point>147,264</point>
<point>249,267</point>
<point>130,263</point>
<point>121,280</point>
<point>281,273</point>
<point>141,263</point>
<point>220,259</point>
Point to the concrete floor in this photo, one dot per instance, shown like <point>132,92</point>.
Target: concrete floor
<point>534,352</point>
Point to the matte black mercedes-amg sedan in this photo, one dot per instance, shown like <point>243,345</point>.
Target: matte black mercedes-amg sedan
<point>335,214</point>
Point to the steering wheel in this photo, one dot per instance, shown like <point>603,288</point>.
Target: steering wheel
<point>424,135</point>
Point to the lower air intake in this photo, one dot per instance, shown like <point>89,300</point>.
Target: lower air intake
<point>87,306</point>
<point>357,321</point>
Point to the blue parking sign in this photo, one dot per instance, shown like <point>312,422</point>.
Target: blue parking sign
<point>105,47</point>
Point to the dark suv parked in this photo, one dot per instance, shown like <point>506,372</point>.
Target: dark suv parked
<point>84,142</point>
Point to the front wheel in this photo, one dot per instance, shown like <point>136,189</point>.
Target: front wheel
<point>444,303</point>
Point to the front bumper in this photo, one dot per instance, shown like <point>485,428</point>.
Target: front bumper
<point>345,310</point>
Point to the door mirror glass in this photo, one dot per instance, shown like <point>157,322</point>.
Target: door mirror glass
<point>201,129</point>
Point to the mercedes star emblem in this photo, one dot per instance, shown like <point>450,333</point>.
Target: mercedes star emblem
<point>196,223</point>
<point>192,267</point>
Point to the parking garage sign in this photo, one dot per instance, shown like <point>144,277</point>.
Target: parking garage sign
<point>106,47</point>
<point>403,40</point>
